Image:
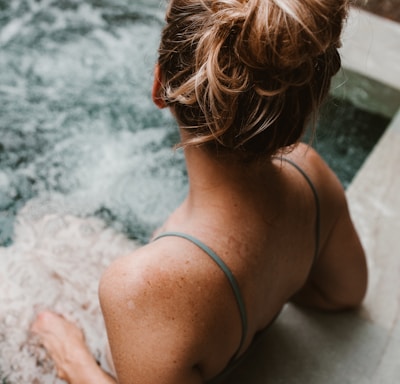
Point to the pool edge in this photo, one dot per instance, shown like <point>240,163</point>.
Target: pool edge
<point>371,46</point>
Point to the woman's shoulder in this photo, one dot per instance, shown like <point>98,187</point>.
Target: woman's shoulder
<point>169,283</point>
<point>170,272</point>
<point>155,274</point>
<point>313,164</point>
<point>152,318</point>
<point>329,189</point>
<point>169,261</point>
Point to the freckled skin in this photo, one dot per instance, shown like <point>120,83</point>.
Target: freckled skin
<point>170,313</point>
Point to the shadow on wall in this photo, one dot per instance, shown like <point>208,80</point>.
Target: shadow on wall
<point>311,347</point>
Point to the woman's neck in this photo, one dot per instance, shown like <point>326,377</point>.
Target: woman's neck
<point>213,175</point>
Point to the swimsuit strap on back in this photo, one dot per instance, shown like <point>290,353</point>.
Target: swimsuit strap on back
<point>228,273</point>
<point>317,204</point>
<point>231,277</point>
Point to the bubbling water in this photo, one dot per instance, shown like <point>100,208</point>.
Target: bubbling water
<point>85,160</point>
<point>82,150</point>
<point>77,117</point>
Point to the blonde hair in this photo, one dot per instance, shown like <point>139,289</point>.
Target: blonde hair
<point>247,75</point>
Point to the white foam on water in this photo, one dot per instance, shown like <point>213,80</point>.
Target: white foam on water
<point>55,263</point>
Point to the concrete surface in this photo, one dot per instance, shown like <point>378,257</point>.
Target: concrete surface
<point>371,46</point>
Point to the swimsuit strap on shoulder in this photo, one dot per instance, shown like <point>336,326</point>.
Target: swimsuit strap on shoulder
<point>228,273</point>
<point>317,204</point>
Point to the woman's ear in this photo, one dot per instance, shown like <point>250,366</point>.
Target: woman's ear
<point>157,99</point>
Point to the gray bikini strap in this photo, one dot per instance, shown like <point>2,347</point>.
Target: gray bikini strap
<point>317,203</point>
<point>228,273</point>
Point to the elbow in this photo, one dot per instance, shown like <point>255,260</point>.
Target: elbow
<point>356,295</point>
<point>353,301</point>
<point>348,291</point>
<point>347,295</point>
<point>357,289</point>
<point>348,298</point>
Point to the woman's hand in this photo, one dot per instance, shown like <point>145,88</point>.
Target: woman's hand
<point>66,345</point>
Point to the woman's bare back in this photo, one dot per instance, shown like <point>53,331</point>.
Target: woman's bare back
<point>265,233</point>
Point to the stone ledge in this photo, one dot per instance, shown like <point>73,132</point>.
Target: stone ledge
<point>371,46</point>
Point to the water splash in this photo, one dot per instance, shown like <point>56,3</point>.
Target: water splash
<point>77,116</point>
<point>55,262</point>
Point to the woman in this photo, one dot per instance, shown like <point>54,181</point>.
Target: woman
<point>265,220</point>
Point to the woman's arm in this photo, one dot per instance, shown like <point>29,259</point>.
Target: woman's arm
<point>150,320</point>
<point>157,316</point>
<point>338,278</point>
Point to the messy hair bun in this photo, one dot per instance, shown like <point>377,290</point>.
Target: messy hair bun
<point>246,75</point>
